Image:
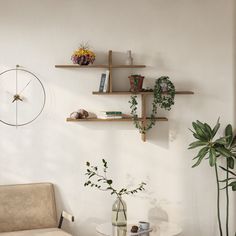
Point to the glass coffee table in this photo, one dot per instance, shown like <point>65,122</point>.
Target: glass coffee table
<point>163,228</point>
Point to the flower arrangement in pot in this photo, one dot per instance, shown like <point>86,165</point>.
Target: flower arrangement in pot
<point>83,55</point>
<point>136,83</point>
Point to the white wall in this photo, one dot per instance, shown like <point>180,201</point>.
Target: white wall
<point>192,41</point>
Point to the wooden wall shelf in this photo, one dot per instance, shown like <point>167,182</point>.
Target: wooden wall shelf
<point>110,66</point>
<point>139,93</point>
<point>99,66</point>
<point>112,120</point>
<point>81,67</point>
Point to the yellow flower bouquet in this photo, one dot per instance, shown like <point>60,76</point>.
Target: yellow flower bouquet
<point>83,56</point>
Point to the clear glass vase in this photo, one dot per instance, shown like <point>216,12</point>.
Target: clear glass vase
<point>119,217</point>
<point>119,213</point>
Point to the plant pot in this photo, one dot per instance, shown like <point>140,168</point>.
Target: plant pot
<point>136,83</point>
<point>83,60</point>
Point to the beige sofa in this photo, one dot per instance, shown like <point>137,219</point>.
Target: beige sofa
<point>30,210</point>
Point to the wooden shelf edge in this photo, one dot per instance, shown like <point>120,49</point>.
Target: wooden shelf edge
<point>138,93</point>
<point>79,66</point>
<point>111,120</point>
<point>127,66</point>
<point>99,66</point>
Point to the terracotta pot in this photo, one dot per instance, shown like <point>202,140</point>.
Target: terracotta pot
<point>136,83</point>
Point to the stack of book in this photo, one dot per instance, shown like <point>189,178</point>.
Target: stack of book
<point>110,115</point>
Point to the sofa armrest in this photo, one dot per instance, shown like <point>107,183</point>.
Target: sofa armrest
<point>67,216</point>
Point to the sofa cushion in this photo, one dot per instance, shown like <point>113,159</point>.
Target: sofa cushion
<point>38,232</point>
<point>27,206</point>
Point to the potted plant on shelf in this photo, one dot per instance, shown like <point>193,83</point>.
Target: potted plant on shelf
<point>213,149</point>
<point>83,55</point>
<point>103,183</point>
<point>136,83</point>
<point>163,96</point>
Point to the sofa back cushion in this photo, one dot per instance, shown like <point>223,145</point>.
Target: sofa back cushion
<point>27,206</point>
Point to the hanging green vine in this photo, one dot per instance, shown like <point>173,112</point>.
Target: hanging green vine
<point>164,94</point>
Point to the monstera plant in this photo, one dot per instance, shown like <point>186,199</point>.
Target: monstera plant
<point>213,149</point>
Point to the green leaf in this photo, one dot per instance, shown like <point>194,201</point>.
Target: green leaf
<point>196,144</point>
<point>216,128</point>
<point>198,137</point>
<point>202,153</point>
<point>223,151</point>
<point>234,186</point>
<point>229,134</point>
<point>230,162</point>
<point>204,129</point>
<point>212,156</point>
<point>208,129</point>
<point>87,163</point>
<point>233,143</point>
<point>200,132</point>
<point>222,140</point>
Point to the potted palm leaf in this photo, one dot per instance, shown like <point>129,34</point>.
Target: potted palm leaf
<point>213,149</point>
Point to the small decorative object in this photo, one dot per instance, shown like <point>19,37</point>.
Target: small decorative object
<point>26,97</point>
<point>129,59</point>
<point>75,115</point>
<point>164,94</point>
<point>80,114</point>
<point>103,183</point>
<point>84,113</point>
<point>144,225</point>
<point>134,229</point>
<point>83,56</point>
<point>136,83</point>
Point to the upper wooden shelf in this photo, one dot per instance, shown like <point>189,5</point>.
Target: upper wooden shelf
<point>79,66</point>
<point>99,66</point>
<point>142,93</point>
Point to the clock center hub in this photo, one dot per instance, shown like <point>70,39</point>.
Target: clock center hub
<point>17,97</point>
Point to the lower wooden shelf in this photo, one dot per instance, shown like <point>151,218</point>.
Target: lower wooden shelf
<point>111,120</point>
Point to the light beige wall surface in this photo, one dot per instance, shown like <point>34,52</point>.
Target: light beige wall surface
<point>192,41</point>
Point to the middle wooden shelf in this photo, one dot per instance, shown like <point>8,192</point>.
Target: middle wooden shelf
<point>138,93</point>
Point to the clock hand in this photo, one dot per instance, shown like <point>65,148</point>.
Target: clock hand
<point>17,96</point>
<point>25,87</point>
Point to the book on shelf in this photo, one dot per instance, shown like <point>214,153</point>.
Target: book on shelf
<point>111,112</point>
<point>102,82</point>
<point>106,84</point>
<point>110,115</point>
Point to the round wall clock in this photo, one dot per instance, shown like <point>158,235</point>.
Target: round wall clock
<point>22,97</point>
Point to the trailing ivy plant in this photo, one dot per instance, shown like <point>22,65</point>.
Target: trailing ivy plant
<point>163,96</point>
<point>212,148</point>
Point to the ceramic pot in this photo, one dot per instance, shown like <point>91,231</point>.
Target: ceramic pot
<point>136,83</point>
